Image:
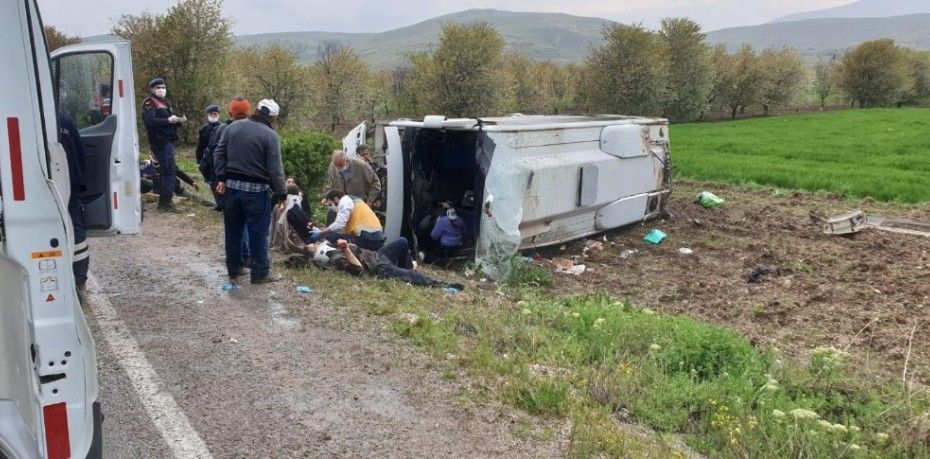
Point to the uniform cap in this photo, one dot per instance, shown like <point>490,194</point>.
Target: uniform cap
<point>156,82</point>
<point>213,108</point>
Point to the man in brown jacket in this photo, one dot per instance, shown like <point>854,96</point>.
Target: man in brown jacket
<point>354,177</point>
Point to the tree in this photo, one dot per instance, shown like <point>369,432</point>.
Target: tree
<point>875,73</point>
<point>690,76</point>
<point>738,80</point>
<point>56,38</point>
<point>270,72</point>
<point>464,70</point>
<point>825,80</point>
<point>188,47</point>
<point>524,84</point>
<point>919,67</point>
<point>340,77</point>
<point>782,74</point>
<point>629,72</point>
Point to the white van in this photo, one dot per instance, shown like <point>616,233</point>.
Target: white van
<point>48,378</point>
<point>521,182</point>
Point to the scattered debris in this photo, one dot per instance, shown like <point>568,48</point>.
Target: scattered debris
<point>685,251</point>
<point>233,340</point>
<point>231,287</point>
<point>655,237</point>
<point>594,245</point>
<point>191,215</point>
<point>200,301</point>
<point>566,266</point>
<point>410,318</point>
<point>760,272</point>
<point>856,221</point>
<point>562,248</point>
<point>451,290</point>
<point>709,200</point>
<point>537,371</point>
<point>304,289</point>
<point>848,223</point>
<point>626,254</point>
<point>900,226</point>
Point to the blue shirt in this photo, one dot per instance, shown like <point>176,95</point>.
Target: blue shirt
<point>70,139</point>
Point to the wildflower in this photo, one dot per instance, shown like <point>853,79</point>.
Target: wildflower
<point>521,303</point>
<point>854,447</point>
<point>778,413</point>
<point>800,413</point>
<point>648,311</point>
<point>825,424</point>
<point>576,315</point>
<point>599,322</point>
<point>770,387</point>
<point>773,381</point>
<point>882,436</point>
<point>854,428</point>
<point>655,347</point>
<point>526,312</point>
<point>839,428</point>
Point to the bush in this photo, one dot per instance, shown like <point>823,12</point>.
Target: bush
<point>306,156</point>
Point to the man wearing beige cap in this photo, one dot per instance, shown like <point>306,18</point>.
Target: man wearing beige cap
<point>250,174</point>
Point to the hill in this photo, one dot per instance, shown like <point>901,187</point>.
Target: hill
<point>561,38</point>
<point>864,9</point>
<point>827,37</point>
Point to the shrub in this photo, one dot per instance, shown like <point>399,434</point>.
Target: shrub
<point>306,156</point>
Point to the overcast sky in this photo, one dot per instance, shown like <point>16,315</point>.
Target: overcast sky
<point>94,17</point>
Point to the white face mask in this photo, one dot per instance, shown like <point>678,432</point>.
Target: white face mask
<point>161,93</point>
<point>213,118</point>
<point>334,208</point>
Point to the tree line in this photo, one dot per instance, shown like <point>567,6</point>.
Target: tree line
<point>670,72</point>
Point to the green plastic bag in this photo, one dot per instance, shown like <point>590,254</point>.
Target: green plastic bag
<point>709,200</point>
<point>655,237</point>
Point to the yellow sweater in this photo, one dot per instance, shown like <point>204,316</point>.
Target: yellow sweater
<point>362,219</point>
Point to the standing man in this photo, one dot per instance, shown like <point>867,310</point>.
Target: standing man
<point>249,171</point>
<point>203,137</point>
<point>161,127</point>
<point>353,177</point>
<point>363,153</point>
<point>70,139</point>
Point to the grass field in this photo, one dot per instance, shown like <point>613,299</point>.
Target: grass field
<point>884,154</point>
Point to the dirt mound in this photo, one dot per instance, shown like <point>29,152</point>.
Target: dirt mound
<point>864,293</point>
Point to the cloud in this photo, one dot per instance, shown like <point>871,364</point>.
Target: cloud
<point>96,16</point>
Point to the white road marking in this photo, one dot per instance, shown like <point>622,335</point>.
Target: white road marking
<point>161,407</point>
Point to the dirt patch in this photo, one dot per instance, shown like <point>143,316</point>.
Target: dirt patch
<point>864,293</point>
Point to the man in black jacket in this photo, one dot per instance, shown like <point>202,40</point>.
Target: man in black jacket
<point>161,127</point>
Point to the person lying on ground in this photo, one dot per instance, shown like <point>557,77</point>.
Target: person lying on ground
<point>393,261</point>
<point>150,181</point>
<point>355,221</point>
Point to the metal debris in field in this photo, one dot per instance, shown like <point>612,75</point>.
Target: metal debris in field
<point>900,226</point>
<point>848,223</point>
<point>856,221</point>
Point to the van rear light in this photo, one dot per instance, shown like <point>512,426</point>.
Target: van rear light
<point>16,159</point>
<point>57,438</point>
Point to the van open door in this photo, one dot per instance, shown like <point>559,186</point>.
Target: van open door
<point>355,138</point>
<point>94,86</point>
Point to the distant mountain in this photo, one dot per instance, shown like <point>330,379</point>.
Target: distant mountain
<point>561,38</point>
<point>827,37</point>
<point>864,9</point>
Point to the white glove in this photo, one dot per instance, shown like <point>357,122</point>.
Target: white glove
<point>183,119</point>
<point>174,119</point>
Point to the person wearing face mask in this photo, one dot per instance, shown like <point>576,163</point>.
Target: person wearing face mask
<point>161,128</point>
<point>203,138</point>
<point>353,177</point>
<point>250,175</point>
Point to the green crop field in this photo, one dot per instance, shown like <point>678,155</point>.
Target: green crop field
<point>884,154</point>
